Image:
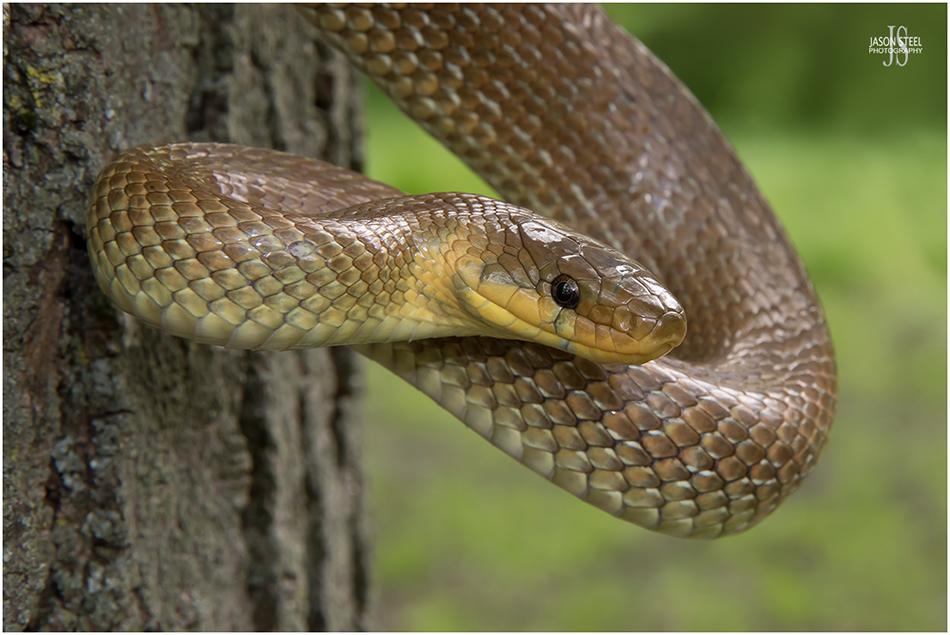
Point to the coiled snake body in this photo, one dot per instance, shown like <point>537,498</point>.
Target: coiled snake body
<point>537,333</point>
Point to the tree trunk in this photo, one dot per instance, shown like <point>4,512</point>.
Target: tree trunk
<point>150,482</point>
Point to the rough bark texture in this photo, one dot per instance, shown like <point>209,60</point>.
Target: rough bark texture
<point>149,482</point>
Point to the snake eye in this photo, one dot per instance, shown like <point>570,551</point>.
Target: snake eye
<point>565,292</point>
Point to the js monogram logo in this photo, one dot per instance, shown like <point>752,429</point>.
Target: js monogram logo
<point>896,46</point>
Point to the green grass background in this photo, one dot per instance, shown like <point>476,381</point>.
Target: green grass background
<point>853,157</point>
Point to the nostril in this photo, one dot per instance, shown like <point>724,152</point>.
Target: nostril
<point>671,327</point>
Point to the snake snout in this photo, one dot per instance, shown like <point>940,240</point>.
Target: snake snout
<point>647,321</point>
<point>670,329</point>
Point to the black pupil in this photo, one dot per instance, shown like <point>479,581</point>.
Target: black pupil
<point>565,292</point>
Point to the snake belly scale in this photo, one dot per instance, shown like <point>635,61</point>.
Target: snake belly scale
<point>545,323</point>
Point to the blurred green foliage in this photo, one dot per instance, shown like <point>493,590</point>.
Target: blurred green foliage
<point>786,65</point>
<point>852,156</point>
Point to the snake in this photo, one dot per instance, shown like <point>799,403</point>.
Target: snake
<point>552,321</point>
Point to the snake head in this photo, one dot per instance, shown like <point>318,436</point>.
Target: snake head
<point>552,286</point>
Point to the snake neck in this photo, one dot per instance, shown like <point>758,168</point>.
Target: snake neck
<point>427,250</point>
<point>414,281</point>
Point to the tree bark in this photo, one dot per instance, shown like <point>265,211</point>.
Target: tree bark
<point>150,482</point>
